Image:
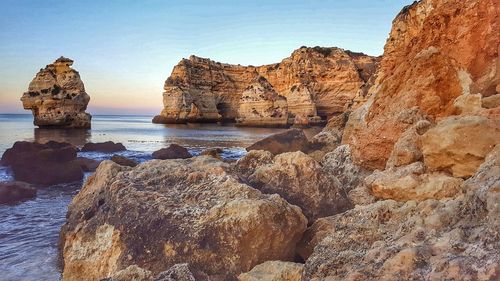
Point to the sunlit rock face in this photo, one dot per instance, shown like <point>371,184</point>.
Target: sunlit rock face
<point>436,52</point>
<point>317,83</point>
<point>57,97</point>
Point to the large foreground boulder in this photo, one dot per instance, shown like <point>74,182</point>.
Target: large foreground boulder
<point>11,192</point>
<point>45,164</point>
<point>299,179</point>
<point>448,239</point>
<point>162,213</point>
<point>107,147</point>
<point>287,141</point>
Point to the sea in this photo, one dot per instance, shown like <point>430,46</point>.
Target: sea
<point>29,231</point>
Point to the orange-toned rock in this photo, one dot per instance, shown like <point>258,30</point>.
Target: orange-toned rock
<point>437,50</point>
<point>319,82</point>
<point>260,105</point>
<point>459,144</point>
<point>57,97</point>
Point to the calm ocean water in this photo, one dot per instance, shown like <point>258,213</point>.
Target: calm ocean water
<point>29,230</point>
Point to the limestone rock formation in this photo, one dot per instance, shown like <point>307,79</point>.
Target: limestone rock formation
<point>437,51</point>
<point>412,183</point>
<point>57,97</point>
<point>450,239</point>
<point>274,271</point>
<point>318,83</point>
<point>300,180</point>
<point>165,212</point>
<point>459,144</point>
<point>261,106</point>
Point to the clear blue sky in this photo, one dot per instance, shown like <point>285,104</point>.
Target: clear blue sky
<point>124,50</point>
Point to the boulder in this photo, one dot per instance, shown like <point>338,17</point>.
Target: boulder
<point>44,164</point>
<point>406,150</point>
<point>301,181</point>
<point>274,271</point>
<point>57,97</point>
<point>213,152</point>
<point>11,192</point>
<point>161,213</point>
<point>247,165</point>
<point>450,239</point>
<point>124,161</point>
<point>412,183</point>
<point>174,151</point>
<point>288,141</point>
<point>491,101</point>
<point>339,164</point>
<point>107,147</point>
<point>87,164</point>
<point>459,144</point>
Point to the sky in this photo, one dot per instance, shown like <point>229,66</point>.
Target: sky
<point>125,50</point>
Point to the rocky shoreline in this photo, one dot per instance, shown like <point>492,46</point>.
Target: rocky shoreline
<point>403,183</point>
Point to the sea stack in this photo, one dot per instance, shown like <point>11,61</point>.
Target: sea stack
<point>57,97</point>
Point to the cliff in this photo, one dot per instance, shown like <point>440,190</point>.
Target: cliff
<point>436,52</point>
<point>329,79</point>
<point>57,97</point>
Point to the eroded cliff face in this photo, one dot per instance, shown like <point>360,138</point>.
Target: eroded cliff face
<point>316,82</point>
<point>437,51</point>
<point>57,97</point>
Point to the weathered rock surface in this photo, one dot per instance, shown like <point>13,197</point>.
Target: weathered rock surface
<point>261,106</point>
<point>316,81</point>
<point>412,183</point>
<point>287,141</point>
<point>11,192</point>
<point>162,213</point>
<point>437,51</point>
<point>301,181</point>
<point>107,146</point>
<point>453,239</point>
<point>274,271</point>
<point>124,161</point>
<point>173,151</point>
<point>57,97</point>
<point>45,164</point>
<point>459,144</point>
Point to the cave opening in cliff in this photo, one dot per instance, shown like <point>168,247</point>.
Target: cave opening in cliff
<point>223,109</point>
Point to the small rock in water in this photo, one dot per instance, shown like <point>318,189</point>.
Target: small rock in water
<point>108,146</point>
<point>11,192</point>
<point>174,151</point>
<point>213,152</point>
<point>124,161</point>
<point>87,164</point>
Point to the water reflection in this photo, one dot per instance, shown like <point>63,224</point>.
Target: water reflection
<point>77,137</point>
